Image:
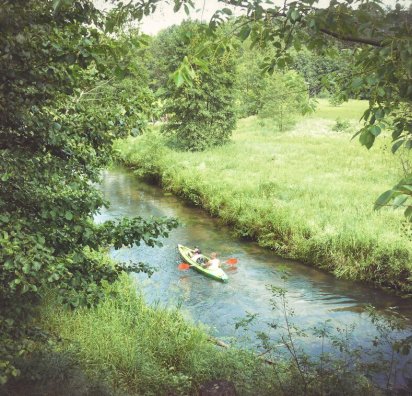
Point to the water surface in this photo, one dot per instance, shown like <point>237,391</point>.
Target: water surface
<point>315,296</point>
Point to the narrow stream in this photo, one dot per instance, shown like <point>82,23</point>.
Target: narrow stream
<point>315,296</point>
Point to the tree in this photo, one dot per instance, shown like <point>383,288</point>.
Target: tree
<point>323,71</point>
<point>250,81</point>
<point>284,96</point>
<point>55,137</point>
<point>200,114</point>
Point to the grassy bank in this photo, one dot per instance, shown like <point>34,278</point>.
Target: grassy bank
<point>307,194</point>
<point>140,350</point>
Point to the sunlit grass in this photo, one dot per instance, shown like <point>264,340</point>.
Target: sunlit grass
<point>351,110</point>
<point>307,193</point>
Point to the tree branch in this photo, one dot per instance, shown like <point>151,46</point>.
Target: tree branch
<point>361,40</point>
<point>339,36</point>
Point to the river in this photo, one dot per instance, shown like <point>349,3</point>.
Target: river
<point>315,296</point>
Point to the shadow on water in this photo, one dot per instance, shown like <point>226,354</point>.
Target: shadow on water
<point>315,296</point>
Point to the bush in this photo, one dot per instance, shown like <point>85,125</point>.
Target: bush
<point>341,125</point>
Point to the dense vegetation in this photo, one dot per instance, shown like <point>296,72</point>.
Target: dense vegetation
<point>53,146</point>
<point>294,193</point>
<point>200,113</point>
<point>73,81</point>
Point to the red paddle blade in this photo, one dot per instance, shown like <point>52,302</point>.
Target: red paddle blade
<point>231,261</point>
<point>183,266</point>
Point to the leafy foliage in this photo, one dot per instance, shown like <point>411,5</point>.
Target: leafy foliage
<point>250,81</point>
<point>324,71</point>
<point>57,128</point>
<point>341,125</point>
<point>389,350</point>
<point>199,113</point>
<point>284,97</point>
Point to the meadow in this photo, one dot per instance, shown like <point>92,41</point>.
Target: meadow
<point>306,193</point>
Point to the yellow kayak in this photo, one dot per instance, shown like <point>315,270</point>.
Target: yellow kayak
<point>217,274</point>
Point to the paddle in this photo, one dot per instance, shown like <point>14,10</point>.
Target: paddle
<point>231,261</point>
<point>183,266</point>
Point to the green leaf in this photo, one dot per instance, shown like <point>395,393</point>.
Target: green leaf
<point>178,78</point>
<point>244,32</point>
<point>396,145</point>
<point>297,44</point>
<point>406,187</point>
<point>69,215</point>
<point>4,218</point>
<point>408,212</point>
<point>375,130</point>
<point>400,200</point>
<point>294,15</point>
<point>367,139</point>
<point>383,199</point>
<point>177,6</point>
<point>56,126</point>
<point>357,82</point>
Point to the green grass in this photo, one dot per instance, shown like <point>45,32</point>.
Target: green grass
<point>351,110</point>
<point>307,194</point>
<point>140,350</point>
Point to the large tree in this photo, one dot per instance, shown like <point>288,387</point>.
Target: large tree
<point>56,134</point>
<point>200,113</point>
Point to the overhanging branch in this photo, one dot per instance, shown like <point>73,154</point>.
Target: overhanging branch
<point>360,40</point>
<point>339,36</point>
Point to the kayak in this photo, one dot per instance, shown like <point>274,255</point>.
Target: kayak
<point>217,274</point>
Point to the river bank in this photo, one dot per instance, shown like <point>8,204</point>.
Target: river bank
<point>136,349</point>
<point>307,194</point>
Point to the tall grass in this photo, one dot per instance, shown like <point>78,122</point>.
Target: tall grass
<point>143,350</point>
<point>307,194</point>
<point>150,350</point>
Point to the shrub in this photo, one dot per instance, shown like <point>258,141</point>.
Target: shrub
<point>341,125</point>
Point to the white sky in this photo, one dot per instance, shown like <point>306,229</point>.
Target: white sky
<point>164,15</point>
<point>204,9</point>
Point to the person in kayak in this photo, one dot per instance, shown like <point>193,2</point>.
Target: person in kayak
<point>196,256</point>
<point>213,263</point>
